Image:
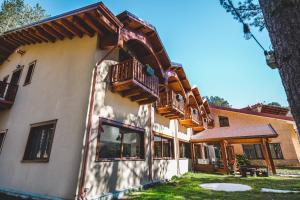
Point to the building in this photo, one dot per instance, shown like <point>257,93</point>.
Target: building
<point>254,131</point>
<point>92,105</point>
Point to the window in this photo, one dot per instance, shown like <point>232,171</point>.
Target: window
<point>2,137</point>
<point>163,147</point>
<point>184,150</point>
<point>224,121</point>
<point>276,152</point>
<point>29,73</point>
<point>39,142</point>
<point>115,141</point>
<point>253,151</point>
<point>198,151</point>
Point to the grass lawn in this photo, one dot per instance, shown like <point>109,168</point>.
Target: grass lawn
<point>187,187</point>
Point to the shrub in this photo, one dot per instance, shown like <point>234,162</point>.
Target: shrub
<point>242,160</point>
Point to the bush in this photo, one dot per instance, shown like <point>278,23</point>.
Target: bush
<point>242,160</point>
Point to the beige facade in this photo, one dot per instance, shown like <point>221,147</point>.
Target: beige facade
<point>287,136</point>
<point>59,90</point>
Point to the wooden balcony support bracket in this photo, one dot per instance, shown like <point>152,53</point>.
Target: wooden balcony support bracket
<point>267,155</point>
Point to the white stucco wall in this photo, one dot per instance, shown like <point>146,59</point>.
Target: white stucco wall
<point>59,90</point>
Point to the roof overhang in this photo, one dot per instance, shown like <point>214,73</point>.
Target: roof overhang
<point>89,20</point>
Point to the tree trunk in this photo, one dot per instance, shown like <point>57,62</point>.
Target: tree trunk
<point>282,19</point>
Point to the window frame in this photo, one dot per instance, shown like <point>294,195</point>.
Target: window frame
<point>162,151</point>
<point>254,148</point>
<point>221,118</point>
<point>4,132</point>
<point>277,158</point>
<point>122,127</point>
<point>189,149</point>
<point>40,160</point>
<point>33,63</point>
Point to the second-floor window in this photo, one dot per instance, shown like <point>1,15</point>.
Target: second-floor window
<point>253,151</point>
<point>163,147</point>
<point>29,73</point>
<point>39,142</point>
<point>184,150</point>
<point>224,121</point>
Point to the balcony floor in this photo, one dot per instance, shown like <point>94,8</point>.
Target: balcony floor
<point>4,104</point>
<point>135,91</point>
<point>170,112</point>
<point>189,123</point>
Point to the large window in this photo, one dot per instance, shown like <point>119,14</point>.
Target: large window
<point>224,121</point>
<point>117,141</point>
<point>184,150</point>
<point>163,147</point>
<point>39,142</point>
<point>2,137</point>
<point>198,151</point>
<point>253,151</point>
<point>276,152</point>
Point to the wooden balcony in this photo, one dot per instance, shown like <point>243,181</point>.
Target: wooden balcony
<point>191,118</point>
<point>130,79</point>
<point>170,105</point>
<point>7,95</point>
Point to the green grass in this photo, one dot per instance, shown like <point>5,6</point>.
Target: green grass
<point>187,187</point>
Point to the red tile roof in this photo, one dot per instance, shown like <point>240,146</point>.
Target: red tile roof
<point>246,132</point>
<point>249,112</point>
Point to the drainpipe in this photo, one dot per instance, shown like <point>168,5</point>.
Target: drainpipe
<point>82,191</point>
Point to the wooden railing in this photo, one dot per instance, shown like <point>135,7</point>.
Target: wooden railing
<point>189,114</point>
<point>8,91</point>
<point>170,99</point>
<point>134,70</point>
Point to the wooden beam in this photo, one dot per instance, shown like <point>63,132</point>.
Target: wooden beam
<point>83,26</point>
<point>45,34</point>
<point>21,41</point>
<point>71,27</point>
<point>223,145</point>
<point>5,50</point>
<point>140,97</point>
<point>53,32</point>
<point>28,38</point>
<point>36,38</point>
<point>268,157</point>
<point>148,101</point>
<point>37,34</point>
<point>10,42</point>
<point>92,22</point>
<point>131,92</point>
<point>61,29</point>
<point>105,22</point>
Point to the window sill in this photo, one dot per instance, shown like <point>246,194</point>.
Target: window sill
<point>163,158</point>
<point>119,159</point>
<point>35,161</point>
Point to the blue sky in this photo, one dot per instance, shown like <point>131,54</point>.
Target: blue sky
<point>207,41</point>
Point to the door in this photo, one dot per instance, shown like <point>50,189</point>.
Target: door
<point>13,85</point>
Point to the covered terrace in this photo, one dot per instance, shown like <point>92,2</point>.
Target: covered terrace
<point>220,141</point>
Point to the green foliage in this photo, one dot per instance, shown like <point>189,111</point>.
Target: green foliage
<point>15,13</point>
<point>242,160</point>
<point>274,104</point>
<point>249,11</point>
<point>217,101</point>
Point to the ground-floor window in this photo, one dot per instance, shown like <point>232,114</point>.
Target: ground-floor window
<point>163,147</point>
<point>184,150</point>
<point>2,137</point>
<point>276,152</point>
<point>119,141</point>
<point>253,151</point>
<point>39,141</point>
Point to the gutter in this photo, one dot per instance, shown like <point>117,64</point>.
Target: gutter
<point>82,191</point>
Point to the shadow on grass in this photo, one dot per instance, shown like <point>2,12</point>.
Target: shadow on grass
<point>187,187</point>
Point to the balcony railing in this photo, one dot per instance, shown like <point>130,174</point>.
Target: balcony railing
<point>191,118</point>
<point>8,93</point>
<point>170,104</point>
<point>130,78</point>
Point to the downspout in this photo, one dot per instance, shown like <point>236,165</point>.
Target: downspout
<point>82,191</point>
